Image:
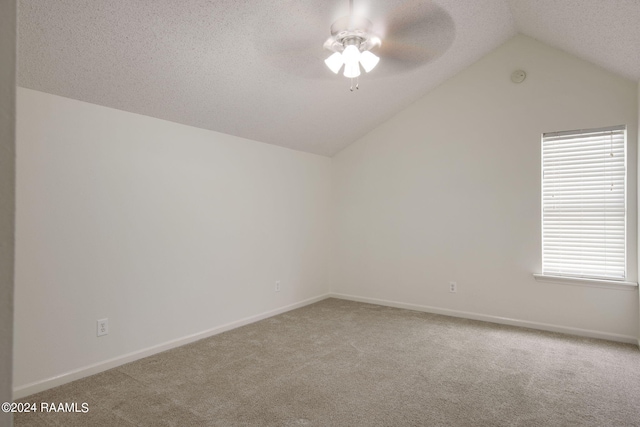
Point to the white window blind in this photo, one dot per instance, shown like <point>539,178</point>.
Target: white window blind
<point>584,203</point>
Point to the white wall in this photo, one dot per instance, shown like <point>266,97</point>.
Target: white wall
<point>165,229</point>
<point>7,195</point>
<point>170,230</point>
<point>449,190</point>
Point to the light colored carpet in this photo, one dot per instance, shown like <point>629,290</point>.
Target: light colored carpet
<point>342,363</point>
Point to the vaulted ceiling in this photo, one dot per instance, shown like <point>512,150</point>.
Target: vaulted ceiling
<point>255,68</point>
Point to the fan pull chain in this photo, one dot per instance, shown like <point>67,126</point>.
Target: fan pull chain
<point>357,84</point>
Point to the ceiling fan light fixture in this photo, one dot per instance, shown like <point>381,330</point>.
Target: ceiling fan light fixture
<point>334,62</point>
<point>353,39</point>
<point>368,60</point>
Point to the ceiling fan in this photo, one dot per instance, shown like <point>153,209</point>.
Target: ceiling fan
<point>352,39</point>
<point>390,38</point>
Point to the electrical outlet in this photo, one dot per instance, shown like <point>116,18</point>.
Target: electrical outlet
<point>278,286</point>
<point>453,287</point>
<point>103,327</point>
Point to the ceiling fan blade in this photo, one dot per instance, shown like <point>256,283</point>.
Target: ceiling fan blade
<point>405,52</point>
<point>298,50</point>
<point>416,32</point>
<point>301,60</point>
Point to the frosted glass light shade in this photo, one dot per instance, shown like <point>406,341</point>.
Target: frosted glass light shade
<point>351,58</point>
<point>351,54</point>
<point>352,69</point>
<point>368,60</point>
<point>334,62</point>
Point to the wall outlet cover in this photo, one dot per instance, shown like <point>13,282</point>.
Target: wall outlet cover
<point>103,327</point>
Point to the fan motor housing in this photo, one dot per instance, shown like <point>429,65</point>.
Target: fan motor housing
<point>352,30</point>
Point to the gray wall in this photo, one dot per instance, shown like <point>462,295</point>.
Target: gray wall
<point>7,194</point>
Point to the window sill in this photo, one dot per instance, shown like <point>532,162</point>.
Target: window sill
<point>593,283</point>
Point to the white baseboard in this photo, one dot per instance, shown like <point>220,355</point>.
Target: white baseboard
<point>38,386</point>
<point>494,319</point>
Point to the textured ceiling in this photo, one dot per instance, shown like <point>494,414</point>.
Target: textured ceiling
<point>253,69</point>
<point>605,32</point>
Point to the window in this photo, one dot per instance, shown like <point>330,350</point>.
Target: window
<point>584,203</point>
